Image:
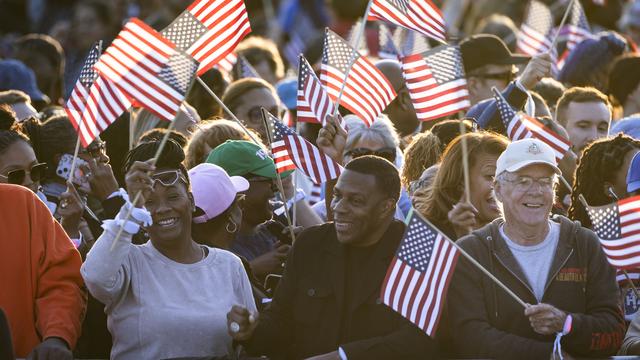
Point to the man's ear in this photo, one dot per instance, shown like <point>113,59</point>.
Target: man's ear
<point>607,188</point>
<point>192,201</point>
<point>404,100</point>
<point>388,206</point>
<point>497,191</point>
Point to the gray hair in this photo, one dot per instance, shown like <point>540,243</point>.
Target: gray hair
<point>381,129</point>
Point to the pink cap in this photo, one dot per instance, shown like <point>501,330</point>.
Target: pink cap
<point>213,190</point>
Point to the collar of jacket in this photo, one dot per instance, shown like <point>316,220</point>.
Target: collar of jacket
<point>497,245</point>
<point>385,251</point>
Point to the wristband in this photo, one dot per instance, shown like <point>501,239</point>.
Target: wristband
<point>566,329</point>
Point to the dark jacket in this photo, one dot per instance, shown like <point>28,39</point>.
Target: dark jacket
<point>305,319</point>
<point>486,322</point>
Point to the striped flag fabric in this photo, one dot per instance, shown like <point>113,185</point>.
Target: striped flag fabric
<point>521,126</point>
<point>148,68</point>
<point>618,227</point>
<point>418,15</point>
<point>418,278</point>
<point>363,47</point>
<point>536,30</point>
<point>313,103</point>
<point>290,151</point>
<point>388,49</point>
<point>436,82</point>
<point>209,30</point>
<point>577,27</point>
<point>105,104</point>
<point>244,69</point>
<point>227,63</point>
<point>78,97</point>
<point>366,92</point>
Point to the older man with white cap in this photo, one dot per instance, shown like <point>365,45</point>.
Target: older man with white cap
<point>553,264</point>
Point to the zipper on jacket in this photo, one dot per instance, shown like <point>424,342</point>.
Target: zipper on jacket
<point>556,273</point>
<point>514,275</point>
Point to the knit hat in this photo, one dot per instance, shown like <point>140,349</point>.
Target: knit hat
<point>624,77</point>
<point>591,57</point>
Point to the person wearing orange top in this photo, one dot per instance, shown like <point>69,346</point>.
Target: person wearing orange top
<point>41,292</point>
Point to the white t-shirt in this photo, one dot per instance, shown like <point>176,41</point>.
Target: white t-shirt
<point>158,308</point>
<point>536,260</point>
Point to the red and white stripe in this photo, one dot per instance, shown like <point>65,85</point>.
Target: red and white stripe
<point>422,16</point>
<point>133,63</point>
<point>430,99</point>
<point>105,103</point>
<point>625,252</point>
<point>313,102</point>
<point>419,296</point>
<point>228,24</point>
<point>367,92</point>
<point>523,126</point>
<point>531,42</point>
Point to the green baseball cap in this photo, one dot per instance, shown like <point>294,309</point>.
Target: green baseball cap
<point>240,157</point>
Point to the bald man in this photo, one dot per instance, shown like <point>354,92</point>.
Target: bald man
<point>400,110</point>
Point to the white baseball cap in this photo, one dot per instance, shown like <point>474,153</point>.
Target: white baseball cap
<point>214,190</point>
<point>526,152</point>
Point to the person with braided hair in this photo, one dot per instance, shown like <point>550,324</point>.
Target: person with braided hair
<point>601,174</point>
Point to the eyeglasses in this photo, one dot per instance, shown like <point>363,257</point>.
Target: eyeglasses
<point>17,176</point>
<point>95,150</point>
<point>524,183</point>
<point>385,153</point>
<point>167,178</point>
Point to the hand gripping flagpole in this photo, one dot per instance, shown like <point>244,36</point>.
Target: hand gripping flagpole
<point>267,125</point>
<point>354,55</point>
<point>154,160</point>
<point>226,109</point>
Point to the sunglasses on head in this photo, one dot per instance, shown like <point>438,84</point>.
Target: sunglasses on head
<point>385,153</point>
<point>167,178</point>
<point>17,176</point>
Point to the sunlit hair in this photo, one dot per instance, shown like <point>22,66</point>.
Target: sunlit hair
<point>448,185</point>
<point>209,135</point>
<point>234,94</point>
<point>381,130</point>
<point>423,151</point>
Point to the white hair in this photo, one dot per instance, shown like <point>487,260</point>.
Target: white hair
<point>381,129</point>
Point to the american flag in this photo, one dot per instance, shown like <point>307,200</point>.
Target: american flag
<point>521,126</point>
<point>313,102</point>
<point>436,82</point>
<point>148,68</point>
<point>209,30</point>
<point>244,69</point>
<point>226,65</point>
<point>400,42</point>
<point>577,27</point>
<point>618,227</point>
<point>388,49</point>
<point>366,92</point>
<point>536,30</point>
<point>316,193</point>
<point>363,47</point>
<point>78,98</point>
<point>418,278</point>
<point>290,151</point>
<point>419,15</point>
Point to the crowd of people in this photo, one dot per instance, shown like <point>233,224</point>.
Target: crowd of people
<point>222,256</point>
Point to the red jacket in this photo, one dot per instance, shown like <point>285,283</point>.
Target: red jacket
<point>41,289</point>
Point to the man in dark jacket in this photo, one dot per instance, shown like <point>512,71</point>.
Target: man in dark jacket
<point>327,304</point>
<point>554,264</point>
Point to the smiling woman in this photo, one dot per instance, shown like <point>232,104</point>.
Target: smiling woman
<point>174,290</point>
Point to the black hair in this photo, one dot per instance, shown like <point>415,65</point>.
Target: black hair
<point>448,130</point>
<point>171,157</point>
<point>158,133</point>
<point>599,162</point>
<point>9,132</point>
<point>51,138</point>
<point>386,174</point>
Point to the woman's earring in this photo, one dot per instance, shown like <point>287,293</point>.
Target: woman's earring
<point>234,225</point>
